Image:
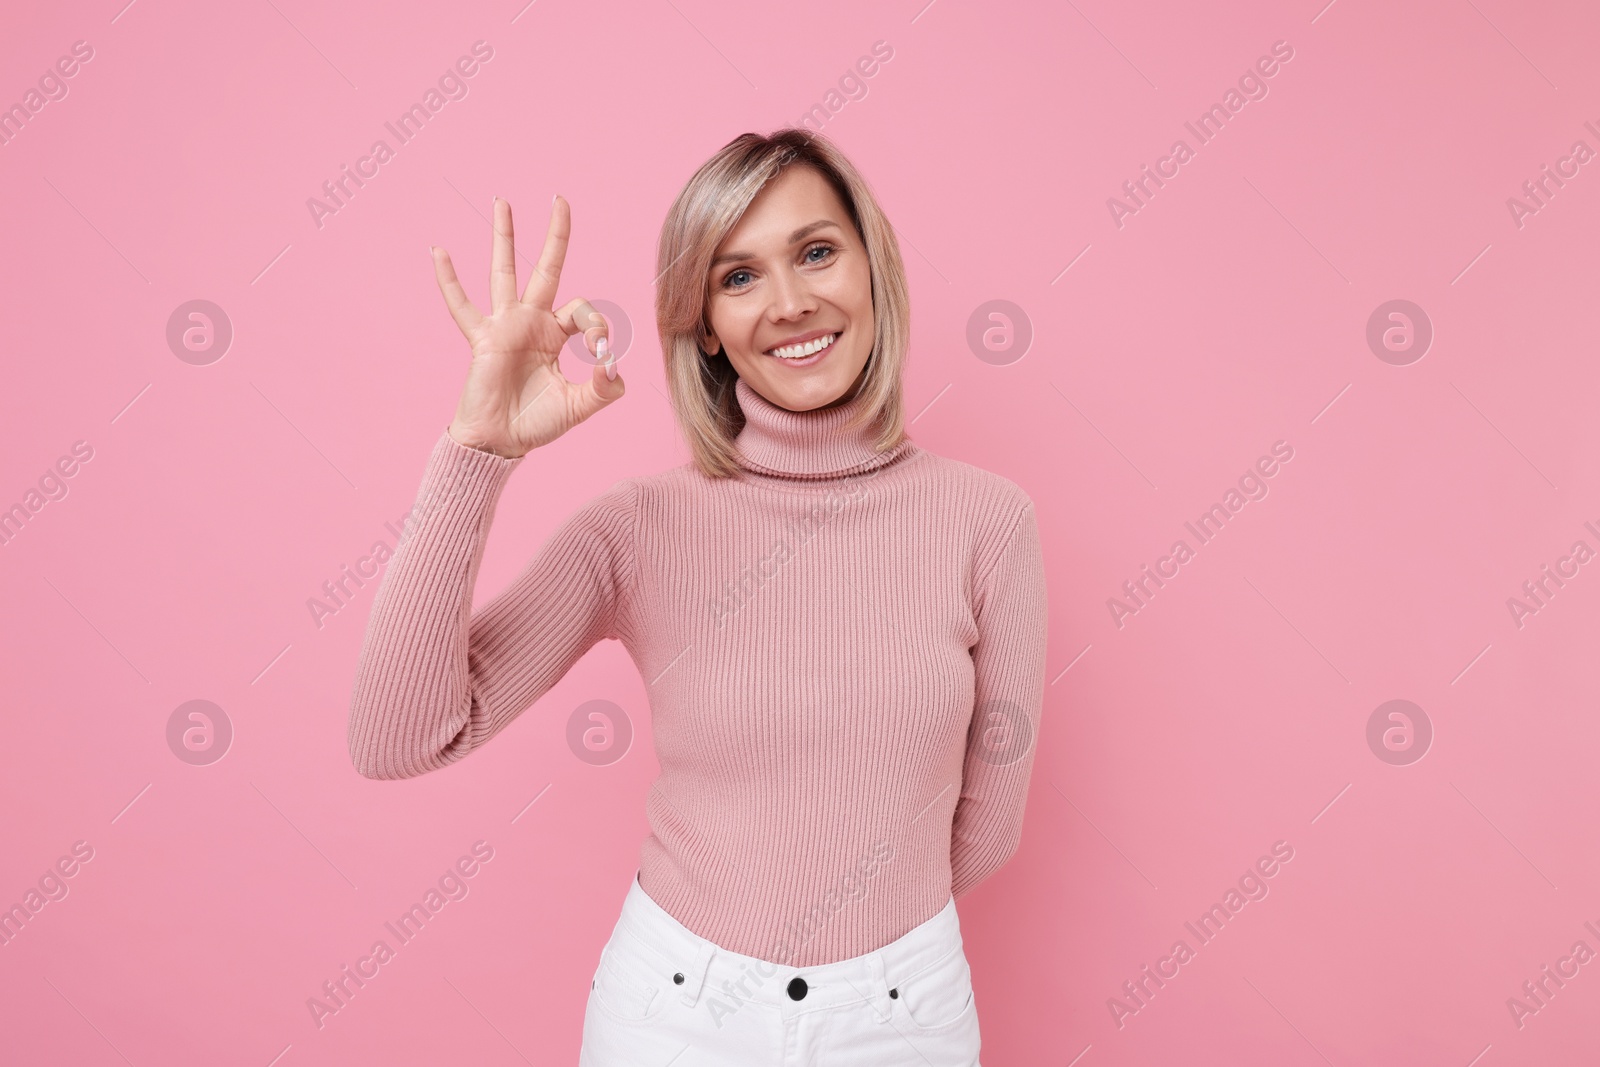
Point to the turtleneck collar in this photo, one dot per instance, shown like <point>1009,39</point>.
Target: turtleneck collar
<point>806,444</point>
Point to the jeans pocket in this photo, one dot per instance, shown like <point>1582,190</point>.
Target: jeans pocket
<point>627,985</point>
<point>940,996</point>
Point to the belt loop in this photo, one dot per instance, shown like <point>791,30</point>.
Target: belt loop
<point>880,988</point>
<point>694,973</point>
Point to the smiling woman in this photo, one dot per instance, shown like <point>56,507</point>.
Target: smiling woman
<point>789,249</point>
<point>774,281</point>
<point>871,674</point>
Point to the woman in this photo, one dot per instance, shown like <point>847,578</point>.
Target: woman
<point>842,635</point>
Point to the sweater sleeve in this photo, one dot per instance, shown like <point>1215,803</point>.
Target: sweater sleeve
<point>436,681</point>
<point>1008,700</point>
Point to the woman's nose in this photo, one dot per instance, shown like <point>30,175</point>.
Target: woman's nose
<point>791,297</point>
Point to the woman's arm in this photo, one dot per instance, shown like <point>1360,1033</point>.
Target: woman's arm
<point>1008,698</point>
<point>436,681</point>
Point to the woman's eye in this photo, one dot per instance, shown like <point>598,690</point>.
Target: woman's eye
<point>738,279</point>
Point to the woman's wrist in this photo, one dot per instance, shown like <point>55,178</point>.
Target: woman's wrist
<point>454,436</point>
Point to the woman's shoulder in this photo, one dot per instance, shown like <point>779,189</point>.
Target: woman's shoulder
<point>685,477</point>
<point>634,491</point>
<point>980,489</point>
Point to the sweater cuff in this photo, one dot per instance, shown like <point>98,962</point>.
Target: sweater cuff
<point>466,468</point>
<point>460,477</point>
<point>468,452</point>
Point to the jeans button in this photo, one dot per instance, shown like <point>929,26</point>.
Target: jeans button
<point>797,989</point>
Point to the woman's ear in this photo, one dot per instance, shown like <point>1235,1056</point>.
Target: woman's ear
<point>709,344</point>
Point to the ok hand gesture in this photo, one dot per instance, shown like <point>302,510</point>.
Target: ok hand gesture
<point>516,398</point>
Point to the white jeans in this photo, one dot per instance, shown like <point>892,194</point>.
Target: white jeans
<point>661,994</point>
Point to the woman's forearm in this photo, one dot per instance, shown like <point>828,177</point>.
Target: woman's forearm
<point>412,708</point>
<point>437,680</point>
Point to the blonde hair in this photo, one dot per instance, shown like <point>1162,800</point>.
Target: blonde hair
<point>705,212</point>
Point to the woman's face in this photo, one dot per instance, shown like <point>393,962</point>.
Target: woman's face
<point>793,273</point>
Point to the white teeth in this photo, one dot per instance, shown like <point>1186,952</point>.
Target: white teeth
<point>809,348</point>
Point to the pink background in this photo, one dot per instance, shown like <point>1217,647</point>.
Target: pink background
<point>1229,313</point>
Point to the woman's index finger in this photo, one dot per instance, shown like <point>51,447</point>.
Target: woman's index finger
<point>455,297</point>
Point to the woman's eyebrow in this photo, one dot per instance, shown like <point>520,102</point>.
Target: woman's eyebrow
<point>797,235</point>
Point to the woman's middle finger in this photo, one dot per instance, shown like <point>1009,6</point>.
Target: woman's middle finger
<point>541,291</point>
<point>502,260</point>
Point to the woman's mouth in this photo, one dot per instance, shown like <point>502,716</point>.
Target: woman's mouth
<point>807,352</point>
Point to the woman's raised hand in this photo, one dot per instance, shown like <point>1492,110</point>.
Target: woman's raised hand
<point>516,397</point>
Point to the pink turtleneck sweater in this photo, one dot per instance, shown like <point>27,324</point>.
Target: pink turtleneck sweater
<point>814,636</point>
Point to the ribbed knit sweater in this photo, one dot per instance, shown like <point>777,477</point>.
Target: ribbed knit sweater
<point>843,652</point>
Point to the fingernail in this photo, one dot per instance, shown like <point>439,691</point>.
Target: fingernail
<point>600,347</point>
<point>611,372</point>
